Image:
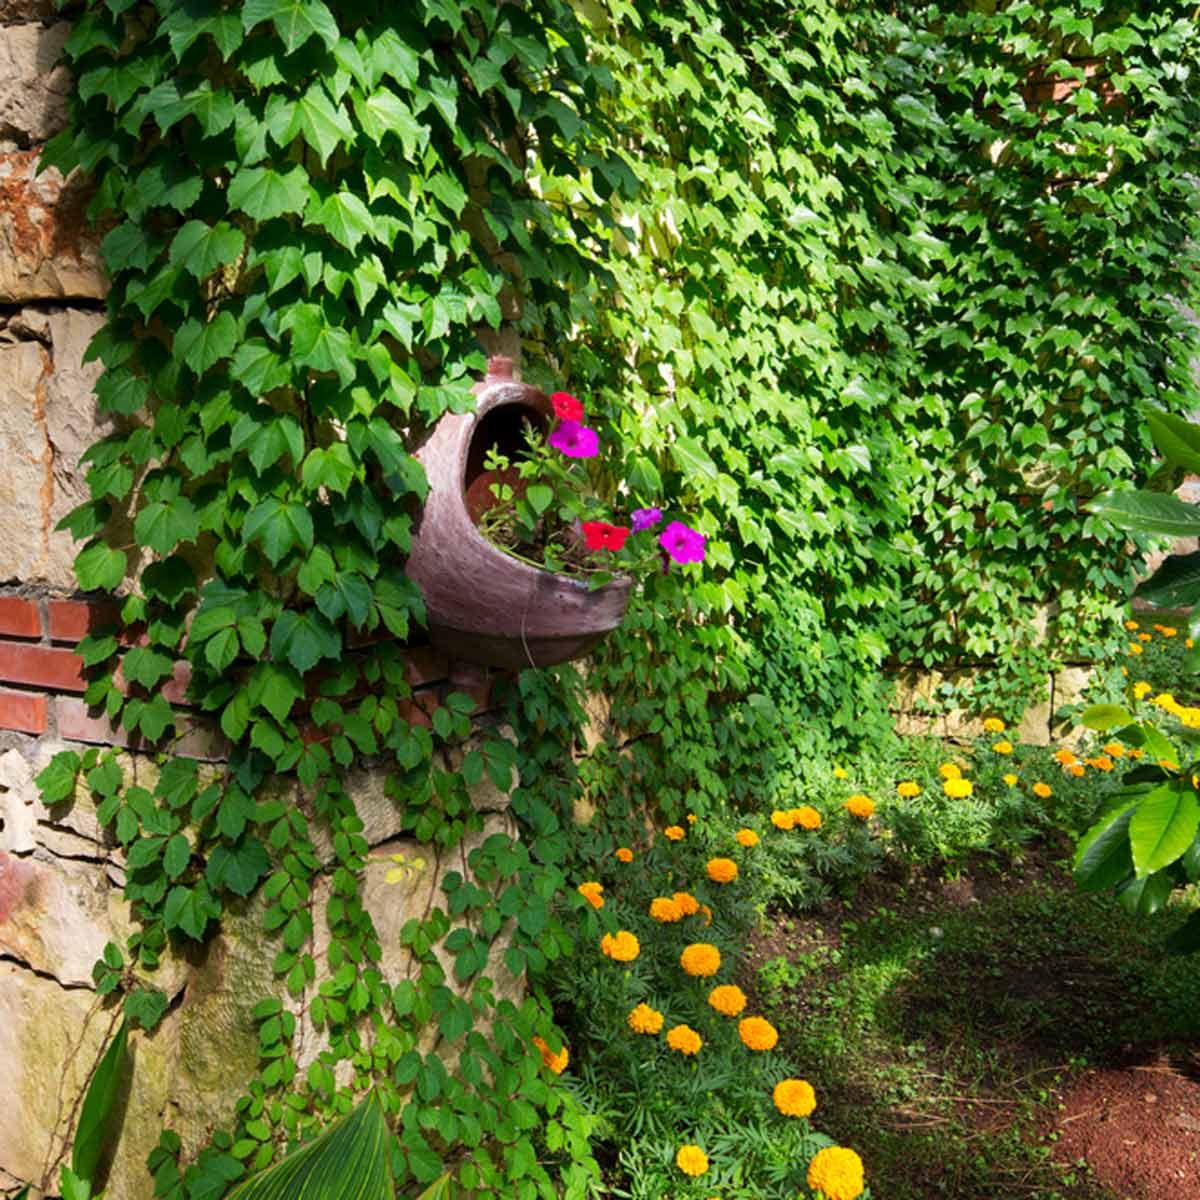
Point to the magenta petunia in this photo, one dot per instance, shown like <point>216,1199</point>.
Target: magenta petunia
<point>575,440</point>
<point>645,518</point>
<point>682,543</point>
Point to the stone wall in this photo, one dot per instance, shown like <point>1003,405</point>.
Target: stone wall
<point>61,876</point>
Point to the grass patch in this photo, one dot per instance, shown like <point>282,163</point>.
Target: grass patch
<point>940,1020</point>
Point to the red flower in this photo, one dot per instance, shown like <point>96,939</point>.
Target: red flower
<point>600,535</point>
<point>566,407</point>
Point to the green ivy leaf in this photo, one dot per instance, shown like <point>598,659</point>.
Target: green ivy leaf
<point>279,527</point>
<point>345,217</point>
<point>100,568</point>
<point>303,639</point>
<point>265,194</point>
<point>164,524</point>
<point>237,868</point>
<point>200,344</point>
<point>295,21</point>
<point>200,249</point>
<point>331,468</point>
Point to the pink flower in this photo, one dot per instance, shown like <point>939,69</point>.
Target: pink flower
<point>575,440</point>
<point>683,544</point>
<point>600,535</point>
<point>566,407</point>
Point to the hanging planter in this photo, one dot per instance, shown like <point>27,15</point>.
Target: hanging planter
<point>485,606</point>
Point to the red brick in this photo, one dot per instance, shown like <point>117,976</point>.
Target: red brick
<point>19,618</point>
<point>41,666</point>
<point>424,664</point>
<point>195,739</point>
<point>419,709</point>
<point>175,688</point>
<point>26,712</point>
<point>73,620</point>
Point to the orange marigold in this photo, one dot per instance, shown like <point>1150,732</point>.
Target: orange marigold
<point>728,999</point>
<point>684,1039</point>
<point>688,904</point>
<point>621,946</point>
<point>1065,757</point>
<point>860,806</point>
<point>1114,749</point>
<point>592,892</point>
<point>806,817</point>
<point>664,909</point>
<point>700,959</point>
<point>783,819</point>
<point>706,913</point>
<point>556,1062</point>
<point>757,1033</point>
<point>794,1097</point>
<point>837,1173</point>
<point>1043,790</point>
<point>722,870</point>
<point>673,833</point>
<point>1077,769</point>
<point>746,837</point>
<point>644,1019</point>
<point>624,854</point>
<point>1101,762</point>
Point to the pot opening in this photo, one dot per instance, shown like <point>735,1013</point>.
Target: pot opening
<point>504,430</point>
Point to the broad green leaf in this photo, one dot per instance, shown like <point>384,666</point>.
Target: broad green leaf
<point>93,1134</point>
<point>323,124</point>
<point>331,468</point>
<point>265,194</point>
<point>345,217</point>
<point>1162,826</point>
<point>1104,717</point>
<point>189,909</point>
<point>1103,857</point>
<point>57,779</point>
<point>349,1161</point>
<point>303,639</point>
<point>259,368</point>
<point>1177,439</point>
<point>693,460</point>
<point>295,20</point>
<point>99,567</point>
<point>201,344</point>
<point>384,112</point>
<point>1145,896</point>
<point>237,868</point>
<point>200,248</point>
<point>1176,584</point>
<point>1149,512</point>
<point>165,523</point>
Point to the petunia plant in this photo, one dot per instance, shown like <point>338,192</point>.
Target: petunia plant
<point>543,509</point>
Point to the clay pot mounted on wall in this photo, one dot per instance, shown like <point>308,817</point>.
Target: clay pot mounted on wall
<point>484,606</point>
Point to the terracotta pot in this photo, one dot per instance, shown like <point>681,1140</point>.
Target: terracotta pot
<point>484,606</point>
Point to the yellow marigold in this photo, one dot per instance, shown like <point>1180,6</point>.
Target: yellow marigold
<point>691,818</point>
<point>1166,700</point>
<point>621,946</point>
<point>1188,643</point>
<point>624,854</point>
<point>1191,718</point>
<point>746,837</point>
<point>840,773</point>
<point>1134,648</point>
<point>1078,770</point>
<point>783,819</point>
<point>1003,747</point>
<point>722,870</point>
<point>688,904</point>
<point>1101,762</point>
<point>837,1173</point>
<point>700,959</point>
<point>691,1160</point>
<point>592,891</point>
<point>1136,753</point>
<point>556,1062</point>
<point>645,1019</point>
<point>806,817</point>
<point>1131,625</point>
<point>684,1039</point>
<point>908,788</point>
<point>1011,780</point>
<point>728,999</point>
<point>757,1033</point>
<point>1114,749</point>
<point>993,725</point>
<point>1064,757</point>
<point>794,1097</point>
<point>957,788</point>
<point>663,908</point>
<point>950,771</point>
<point>673,833</point>
<point>1168,764</point>
<point>1043,790</point>
<point>1140,689</point>
<point>860,806</point>
<point>1144,637</point>
<point>1168,631</point>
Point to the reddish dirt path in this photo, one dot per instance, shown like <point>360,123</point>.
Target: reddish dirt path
<point>1137,1127</point>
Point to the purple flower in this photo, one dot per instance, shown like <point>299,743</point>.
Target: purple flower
<point>684,545</point>
<point>645,518</point>
<point>575,440</point>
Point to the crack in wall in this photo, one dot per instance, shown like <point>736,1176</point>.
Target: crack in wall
<point>37,972</point>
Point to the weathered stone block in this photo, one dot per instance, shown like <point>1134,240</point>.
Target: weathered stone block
<point>14,11</point>
<point>47,251</point>
<point>33,85</point>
